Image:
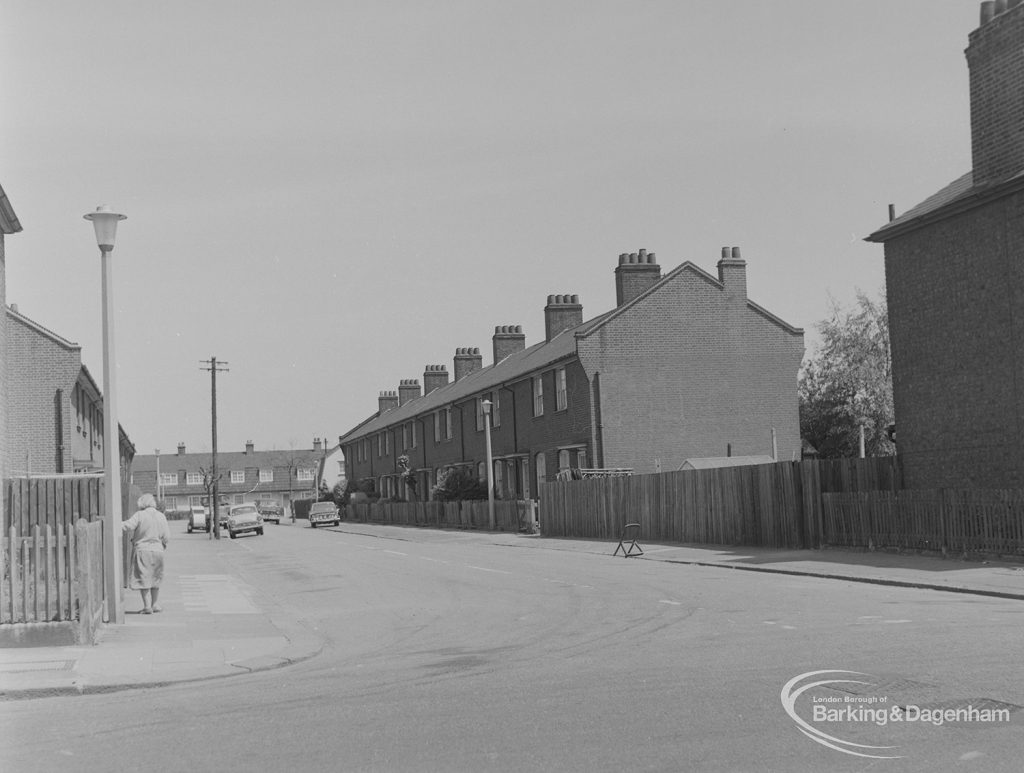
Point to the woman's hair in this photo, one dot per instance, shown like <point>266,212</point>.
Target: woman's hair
<point>147,500</point>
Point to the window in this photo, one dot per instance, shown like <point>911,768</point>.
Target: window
<point>170,504</point>
<point>383,444</point>
<point>237,499</point>
<point>561,396</point>
<point>266,476</point>
<point>304,473</point>
<point>193,479</point>
<point>499,476</point>
<point>443,425</point>
<point>581,458</point>
<point>196,500</point>
<point>168,479</point>
<point>405,436</point>
<point>238,476</point>
<point>481,472</point>
<point>447,423</point>
<point>538,396</point>
<point>563,459</point>
<point>412,431</point>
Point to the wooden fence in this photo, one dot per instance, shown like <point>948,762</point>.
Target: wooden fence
<point>57,502</point>
<point>770,505</point>
<point>53,576</point>
<point>508,515</point>
<point>962,521</point>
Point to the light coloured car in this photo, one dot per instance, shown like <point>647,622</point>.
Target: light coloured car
<point>323,513</point>
<point>197,519</point>
<point>243,519</point>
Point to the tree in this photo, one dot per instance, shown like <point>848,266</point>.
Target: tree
<point>458,483</point>
<point>847,384</point>
<point>407,475</point>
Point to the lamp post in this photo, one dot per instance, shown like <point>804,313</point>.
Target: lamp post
<point>486,404</point>
<point>159,498</point>
<point>105,223</point>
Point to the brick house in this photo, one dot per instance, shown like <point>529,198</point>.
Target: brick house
<point>684,366</point>
<point>8,225</point>
<point>954,271</point>
<point>54,420</point>
<point>245,476</point>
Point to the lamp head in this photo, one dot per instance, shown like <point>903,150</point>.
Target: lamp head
<point>105,223</point>
<point>486,405</point>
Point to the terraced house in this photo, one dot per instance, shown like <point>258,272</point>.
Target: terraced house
<point>280,477</point>
<point>684,366</point>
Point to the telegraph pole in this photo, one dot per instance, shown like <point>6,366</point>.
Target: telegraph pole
<point>214,367</point>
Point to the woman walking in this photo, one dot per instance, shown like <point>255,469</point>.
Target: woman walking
<point>150,533</point>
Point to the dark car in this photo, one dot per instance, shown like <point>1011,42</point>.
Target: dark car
<point>323,513</point>
<point>271,511</point>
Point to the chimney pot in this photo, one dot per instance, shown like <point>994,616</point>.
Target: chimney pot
<point>726,252</point>
<point>736,253</point>
<point>635,275</point>
<point>508,339</point>
<point>467,360</point>
<point>181,449</point>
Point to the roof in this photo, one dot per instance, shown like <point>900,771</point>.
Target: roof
<point>226,460</point>
<point>714,462</point>
<point>958,196</point>
<point>518,365</point>
<point>8,220</point>
<point>57,339</point>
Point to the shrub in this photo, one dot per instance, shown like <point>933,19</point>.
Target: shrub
<point>458,483</point>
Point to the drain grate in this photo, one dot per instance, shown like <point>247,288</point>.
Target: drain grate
<point>36,665</point>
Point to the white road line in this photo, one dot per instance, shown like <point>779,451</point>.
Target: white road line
<point>435,560</point>
<point>485,569</point>
<point>396,552</point>
<point>673,603</point>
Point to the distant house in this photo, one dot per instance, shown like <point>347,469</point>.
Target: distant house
<point>333,469</point>
<point>281,477</point>
<point>684,366</point>
<point>954,271</point>
<point>54,407</point>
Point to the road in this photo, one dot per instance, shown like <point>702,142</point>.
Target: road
<point>448,653</point>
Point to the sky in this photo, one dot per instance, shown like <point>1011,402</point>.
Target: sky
<point>330,195</point>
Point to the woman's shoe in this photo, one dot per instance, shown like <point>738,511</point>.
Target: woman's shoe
<point>147,611</point>
<point>157,608</point>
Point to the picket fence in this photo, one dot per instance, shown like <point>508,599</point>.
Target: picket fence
<point>57,501</point>
<point>53,575</point>
<point>508,515</point>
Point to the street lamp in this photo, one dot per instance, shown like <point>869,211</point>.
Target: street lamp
<point>105,223</point>
<point>158,497</point>
<point>486,405</point>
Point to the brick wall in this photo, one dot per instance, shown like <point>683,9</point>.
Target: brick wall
<point>691,371</point>
<point>38,366</point>
<point>4,367</point>
<point>995,57</point>
<point>955,293</point>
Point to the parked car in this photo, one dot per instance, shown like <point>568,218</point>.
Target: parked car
<point>324,513</point>
<point>271,511</point>
<point>243,519</point>
<point>197,519</point>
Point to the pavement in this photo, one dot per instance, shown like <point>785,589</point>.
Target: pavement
<point>216,626</point>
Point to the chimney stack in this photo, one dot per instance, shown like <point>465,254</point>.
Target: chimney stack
<point>562,312</point>
<point>316,445</point>
<point>467,360</point>
<point>434,377</point>
<point>387,401</point>
<point>508,339</point>
<point>732,272</point>
<point>408,390</point>
<point>181,449</point>
<point>635,274</point>
<point>249,448</point>
<point>996,65</point>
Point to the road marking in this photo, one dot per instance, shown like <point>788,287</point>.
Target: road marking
<point>216,593</point>
<point>896,621</point>
<point>673,603</point>
<point>435,560</point>
<point>396,552</point>
<point>485,569</point>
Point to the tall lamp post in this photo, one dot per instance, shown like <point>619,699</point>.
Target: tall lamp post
<point>486,404</point>
<point>105,223</point>
<point>158,497</point>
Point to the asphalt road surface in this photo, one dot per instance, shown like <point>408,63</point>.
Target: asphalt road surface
<point>447,653</point>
